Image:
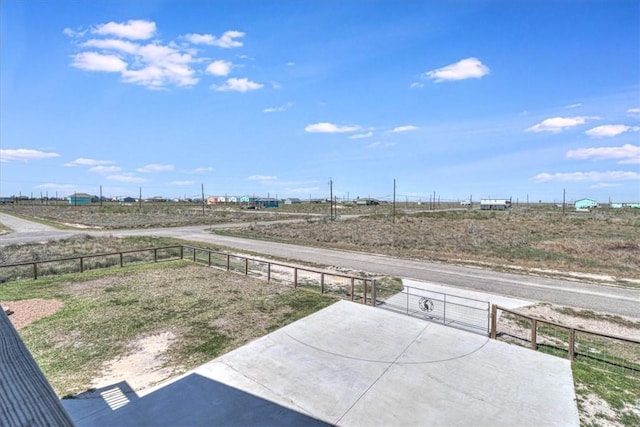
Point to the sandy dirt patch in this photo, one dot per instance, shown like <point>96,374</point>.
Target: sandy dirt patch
<point>25,312</point>
<point>142,367</point>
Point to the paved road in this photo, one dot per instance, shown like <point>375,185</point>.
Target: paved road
<point>580,294</point>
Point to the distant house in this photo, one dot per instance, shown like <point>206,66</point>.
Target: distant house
<point>292,201</point>
<point>212,200</point>
<point>80,199</point>
<point>232,199</point>
<point>247,199</point>
<point>267,202</point>
<point>585,205</point>
<point>495,204</point>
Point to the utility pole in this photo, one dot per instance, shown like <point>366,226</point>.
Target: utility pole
<point>394,200</point>
<point>140,199</point>
<point>202,192</point>
<point>330,198</point>
<point>564,194</point>
<point>101,196</point>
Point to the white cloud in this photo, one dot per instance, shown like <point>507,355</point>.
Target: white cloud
<point>607,131</point>
<point>154,64</point>
<point>603,185</point>
<point>627,154</point>
<point>201,170</point>
<point>24,155</point>
<point>361,135</point>
<point>226,41</point>
<point>400,129</point>
<point>290,64</point>
<point>88,162</point>
<point>278,109</point>
<point>586,176</point>
<point>469,68</point>
<point>133,29</point>
<point>237,85</point>
<point>155,167</point>
<point>127,177</point>
<point>325,127</point>
<point>381,144</point>
<point>262,178</point>
<point>104,170</point>
<point>112,44</point>
<point>633,112</point>
<point>73,33</point>
<point>181,183</point>
<point>416,85</point>
<point>576,105</point>
<point>559,124</point>
<point>93,61</point>
<point>219,68</point>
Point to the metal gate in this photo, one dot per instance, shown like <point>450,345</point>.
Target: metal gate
<point>450,310</point>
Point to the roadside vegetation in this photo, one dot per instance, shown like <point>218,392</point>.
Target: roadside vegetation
<point>606,243</point>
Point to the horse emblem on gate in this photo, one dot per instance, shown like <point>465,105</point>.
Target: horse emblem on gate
<point>425,304</point>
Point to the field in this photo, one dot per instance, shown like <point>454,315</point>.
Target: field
<point>604,242</point>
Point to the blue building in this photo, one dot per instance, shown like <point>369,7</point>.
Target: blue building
<point>80,199</point>
<point>585,204</point>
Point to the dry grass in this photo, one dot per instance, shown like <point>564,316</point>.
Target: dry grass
<point>607,244</point>
<point>148,215</point>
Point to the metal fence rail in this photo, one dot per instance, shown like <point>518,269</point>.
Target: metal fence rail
<point>451,310</point>
<point>610,353</point>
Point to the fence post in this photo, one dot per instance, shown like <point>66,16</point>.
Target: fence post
<point>268,271</point>
<point>295,277</point>
<point>35,271</point>
<point>322,283</point>
<point>246,266</point>
<point>444,310</point>
<point>121,263</point>
<point>209,262</point>
<point>373,293</point>
<point>81,265</point>
<point>194,254</point>
<point>572,344</point>
<point>494,320</point>
<point>534,334</point>
<point>407,288</point>
<point>228,262</point>
<point>155,255</point>
<point>181,252</point>
<point>364,285</point>
<point>352,287</point>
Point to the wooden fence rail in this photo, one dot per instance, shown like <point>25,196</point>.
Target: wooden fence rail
<point>602,352</point>
<point>367,285</point>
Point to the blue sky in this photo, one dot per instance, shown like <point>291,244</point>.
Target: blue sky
<point>491,99</point>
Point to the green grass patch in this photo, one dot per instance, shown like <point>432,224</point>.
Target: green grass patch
<point>105,312</point>
<point>621,393</point>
